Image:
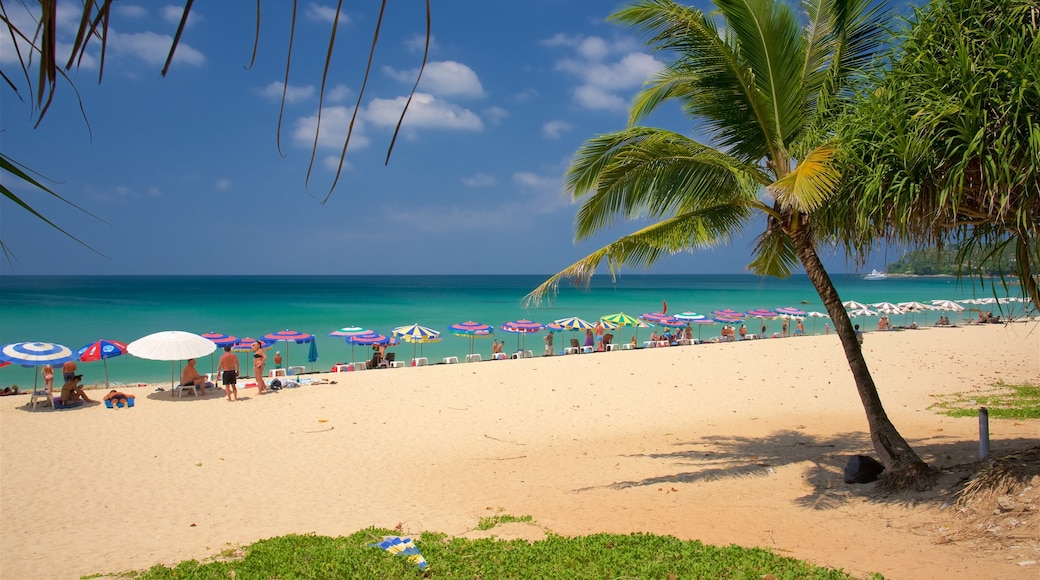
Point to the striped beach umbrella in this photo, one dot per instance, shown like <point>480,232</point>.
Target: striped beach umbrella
<point>102,350</point>
<point>289,336</point>
<point>790,311</point>
<point>761,313</point>
<point>622,319</point>
<point>727,313</point>
<point>221,340</point>
<point>472,330</point>
<point>347,332</point>
<point>652,317</point>
<point>416,334</point>
<point>36,354</point>
<point>522,328</point>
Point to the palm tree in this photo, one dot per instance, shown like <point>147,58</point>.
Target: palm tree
<point>946,147</point>
<point>764,87</point>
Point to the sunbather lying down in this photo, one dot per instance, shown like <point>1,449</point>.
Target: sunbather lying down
<point>10,391</point>
<point>116,397</point>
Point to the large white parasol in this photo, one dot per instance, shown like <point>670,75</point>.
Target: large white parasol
<point>171,345</point>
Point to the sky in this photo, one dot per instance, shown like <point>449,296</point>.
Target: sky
<point>190,174</point>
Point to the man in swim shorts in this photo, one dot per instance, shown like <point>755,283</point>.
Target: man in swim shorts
<point>228,369</point>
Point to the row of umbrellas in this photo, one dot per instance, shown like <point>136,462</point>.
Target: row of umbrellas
<point>177,345</point>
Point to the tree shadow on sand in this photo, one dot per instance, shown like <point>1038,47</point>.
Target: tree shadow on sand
<point>733,457</point>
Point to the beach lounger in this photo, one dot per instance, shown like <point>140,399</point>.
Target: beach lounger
<point>450,360</point>
<point>475,357</point>
<point>179,390</point>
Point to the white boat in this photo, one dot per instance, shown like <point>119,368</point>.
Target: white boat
<point>875,275</point>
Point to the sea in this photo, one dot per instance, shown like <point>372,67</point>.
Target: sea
<point>78,310</point>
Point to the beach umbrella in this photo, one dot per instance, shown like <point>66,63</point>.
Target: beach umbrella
<point>853,305</point>
<point>246,345</point>
<point>861,312</point>
<point>36,354</point>
<point>312,354</point>
<point>887,308</point>
<point>522,328</point>
<point>221,340</point>
<point>761,313</point>
<point>947,305</point>
<point>573,324</point>
<point>670,322</point>
<point>416,334</point>
<point>472,330</point>
<point>102,350</point>
<point>652,317</point>
<point>790,311</point>
<point>288,337</point>
<point>814,315</point>
<point>915,307</point>
<point>727,313</point>
<point>171,345</point>
<point>620,319</point>
<point>349,331</point>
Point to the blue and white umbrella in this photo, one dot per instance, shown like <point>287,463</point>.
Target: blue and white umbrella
<point>36,354</point>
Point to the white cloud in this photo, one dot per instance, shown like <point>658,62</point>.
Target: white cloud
<point>495,114</point>
<point>604,81</point>
<point>592,97</point>
<point>546,193</point>
<point>424,111</point>
<point>337,94</point>
<point>479,180</point>
<point>222,184</point>
<point>553,129</point>
<point>173,14</point>
<point>129,10</point>
<point>418,42</point>
<point>442,78</point>
<point>325,14</point>
<point>334,124</point>
<point>153,48</point>
<point>331,162</point>
<point>293,94</point>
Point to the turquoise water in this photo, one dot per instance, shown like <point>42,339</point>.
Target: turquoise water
<point>75,311</point>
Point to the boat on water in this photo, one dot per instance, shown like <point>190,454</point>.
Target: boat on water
<point>875,275</point>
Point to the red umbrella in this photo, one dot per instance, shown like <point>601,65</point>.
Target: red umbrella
<point>101,351</point>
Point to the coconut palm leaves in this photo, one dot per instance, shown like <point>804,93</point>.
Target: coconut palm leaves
<point>946,148</point>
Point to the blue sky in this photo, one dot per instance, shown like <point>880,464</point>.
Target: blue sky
<point>186,174</point>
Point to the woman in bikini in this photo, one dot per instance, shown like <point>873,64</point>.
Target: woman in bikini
<point>259,360</point>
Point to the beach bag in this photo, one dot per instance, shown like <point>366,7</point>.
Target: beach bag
<point>862,469</point>
<point>276,385</point>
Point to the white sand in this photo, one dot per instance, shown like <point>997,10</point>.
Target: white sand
<point>728,443</point>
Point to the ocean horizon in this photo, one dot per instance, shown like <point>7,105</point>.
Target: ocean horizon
<point>77,310</point>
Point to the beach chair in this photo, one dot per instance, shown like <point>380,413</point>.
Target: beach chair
<point>179,390</point>
<point>41,396</point>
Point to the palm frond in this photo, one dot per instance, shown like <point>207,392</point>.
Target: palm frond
<point>705,228</point>
<point>647,172</point>
<point>808,185</point>
<point>774,253</point>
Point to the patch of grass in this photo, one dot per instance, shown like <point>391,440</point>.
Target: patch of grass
<point>595,556</point>
<point>1004,401</point>
<point>488,523</point>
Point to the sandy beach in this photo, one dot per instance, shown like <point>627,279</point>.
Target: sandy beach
<point>739,443</point>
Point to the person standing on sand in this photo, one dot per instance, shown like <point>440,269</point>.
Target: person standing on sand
<point>48,378</point>
<point>496,348</point>
<point>278,359</point>
<point>589,339</point>
<point>783,329</point>
<point>227,368</point>
<point>68,370</point>
<point>259,360</point>
<point>549,344</point>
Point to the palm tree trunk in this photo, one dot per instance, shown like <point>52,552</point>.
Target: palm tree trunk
<point>905,468</point>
